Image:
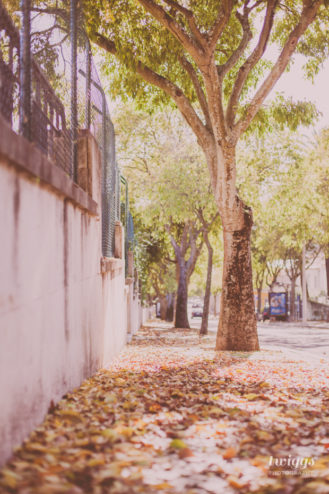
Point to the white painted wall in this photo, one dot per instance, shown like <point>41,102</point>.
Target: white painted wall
<point>114,311</point>
<point>61,319</point>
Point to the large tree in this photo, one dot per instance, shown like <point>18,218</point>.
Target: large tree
<point>208,58</point>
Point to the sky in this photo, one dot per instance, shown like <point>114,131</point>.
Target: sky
<point>295,84</point>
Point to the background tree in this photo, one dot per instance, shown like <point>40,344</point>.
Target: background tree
<point>206,227</point>
<point>208,58</point>
<point>171,190</point>
<point>316,170</point>
<point>198,283</point>
<point>292,224</point>
<point>271,179</point>
<point>156,270</point>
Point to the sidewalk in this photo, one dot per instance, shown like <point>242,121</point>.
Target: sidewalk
<point>173,416</point>
<point>299,324</point>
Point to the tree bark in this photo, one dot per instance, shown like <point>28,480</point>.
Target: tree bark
<point>170,307</point>
<point>259,299</point>
<point>237,328</point>
<point>184,269</point>
<point>327,271</point>
<point>206,302</point>
<point>163,307</point>
<point>216,299</point>
<point>181,318</point>
<point>292,299</point>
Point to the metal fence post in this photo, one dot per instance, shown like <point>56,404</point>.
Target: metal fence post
<point>74,91</point>
<point>126,227</point>
<point>25,110</point>
<point>88,85</point>
<point>105,208</point>
<point>126,210</point>
<point>112,182</point>
<point>117,195</point>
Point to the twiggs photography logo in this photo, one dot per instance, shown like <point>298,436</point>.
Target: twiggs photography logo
<point>290,465</point>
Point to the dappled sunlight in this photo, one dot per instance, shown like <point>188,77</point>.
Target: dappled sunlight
<point>278,371</point>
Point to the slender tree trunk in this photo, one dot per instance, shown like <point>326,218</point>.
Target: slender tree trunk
<point>237,328</point>
<point>259,298</point>
<point>181,318</point>
<point>327,271</point>
<point>216,298</point>
<point>163,307</point>
<point>292,299</point>
<point>206,302</point>
<point>170,308</point>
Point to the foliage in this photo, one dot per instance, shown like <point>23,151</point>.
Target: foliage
<point>167,178</point>
<point>198,278</point>
<point>275,177</point>
<point>316,181</point>
<point>155,271</point>
<point>140,38</point>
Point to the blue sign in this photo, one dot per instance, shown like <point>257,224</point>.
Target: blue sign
<point>278,304</point>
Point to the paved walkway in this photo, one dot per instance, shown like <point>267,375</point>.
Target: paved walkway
<point>173,416</point>
<point>310,342</point>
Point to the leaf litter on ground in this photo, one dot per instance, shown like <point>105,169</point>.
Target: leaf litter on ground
<point>172,415</point>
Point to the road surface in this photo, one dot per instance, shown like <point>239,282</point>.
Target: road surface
<point>310,343</point>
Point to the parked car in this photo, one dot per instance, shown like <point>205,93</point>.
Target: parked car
<point>266,313</point>
<point>197,312</point>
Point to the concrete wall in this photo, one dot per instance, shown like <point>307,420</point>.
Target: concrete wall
<point>114,310</point>
<point>63,308</point>
<point>317,311</point>
<point>148,313</point>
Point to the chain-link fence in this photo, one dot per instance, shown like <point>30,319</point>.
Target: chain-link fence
<point>49,88</point>
<point>127,220</point>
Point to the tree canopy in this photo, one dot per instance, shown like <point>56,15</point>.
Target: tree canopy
<point>162,44</point>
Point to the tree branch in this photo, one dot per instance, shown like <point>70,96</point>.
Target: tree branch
<point>223,17</point>
<point>188,14</point>
<point>186,239</point>
<point>246,37</point>
<point>53,11</point>
<point>173,242</point>
<point>195,252</point>
<point>206,225</point>
<point>307,16</point>
<point>190,45</point>
<point>198,89</point>
<point>203,134</point>
<point>251,61</point>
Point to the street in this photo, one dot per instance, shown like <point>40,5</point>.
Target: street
<point>308,343</point>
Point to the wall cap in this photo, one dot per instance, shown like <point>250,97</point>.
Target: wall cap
<point>111,264</point>
<point>26,157</point>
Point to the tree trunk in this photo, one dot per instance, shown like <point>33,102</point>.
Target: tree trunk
<point>216,298</point>
<point>327,271</point>
<point>292,299</point>
<point>170,308</point>
<point>237,328</point>
<point>181,319</point>
<point>206,302</point>
<point>163,307</point>
<point>259,299</point>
